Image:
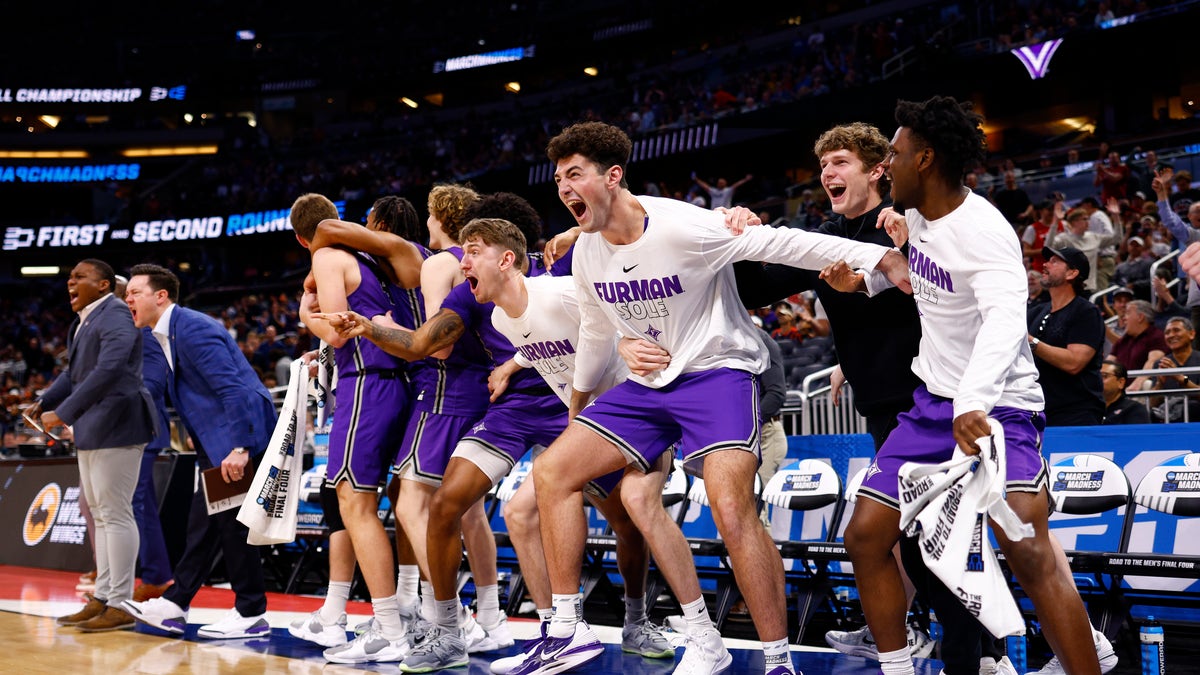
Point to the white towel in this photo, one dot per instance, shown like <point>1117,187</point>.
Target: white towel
<point>946,505</point>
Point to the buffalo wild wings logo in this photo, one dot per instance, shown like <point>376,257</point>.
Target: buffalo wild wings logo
<point>39,519</point>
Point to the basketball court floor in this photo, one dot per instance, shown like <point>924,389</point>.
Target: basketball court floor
<point>35,645</point>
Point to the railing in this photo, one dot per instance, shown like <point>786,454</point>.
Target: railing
<point>810,410</point>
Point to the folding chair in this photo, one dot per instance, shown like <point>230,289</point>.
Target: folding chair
<point>808,485</point>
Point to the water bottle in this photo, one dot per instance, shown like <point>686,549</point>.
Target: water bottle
<point>1015,646</point>
<point>1154,659</point>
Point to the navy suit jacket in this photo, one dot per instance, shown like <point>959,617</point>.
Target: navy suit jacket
<point>101,393</point>
<point>155,372</point>
<point>215,391</point>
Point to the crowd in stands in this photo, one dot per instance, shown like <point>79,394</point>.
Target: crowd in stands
<point>363,156</point>
<point>33,342</point>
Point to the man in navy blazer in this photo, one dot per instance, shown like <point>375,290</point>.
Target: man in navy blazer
<point>153,559</point>
<point>112,417</point>
<point>230,416</point>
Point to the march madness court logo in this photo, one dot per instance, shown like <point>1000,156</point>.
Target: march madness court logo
<point>39,519</point>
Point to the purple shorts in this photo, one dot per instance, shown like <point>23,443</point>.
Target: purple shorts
<point>511,427</point>
<point>429,441</point>
<point>925,434</point>
<point>705,411</point>
<point>368,426</point>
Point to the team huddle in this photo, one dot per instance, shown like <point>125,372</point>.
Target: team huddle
<point>454,359</point>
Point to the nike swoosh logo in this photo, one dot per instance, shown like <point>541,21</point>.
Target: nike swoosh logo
<point>550,656</point>
<point>525,335</point>
<point>629,269</point>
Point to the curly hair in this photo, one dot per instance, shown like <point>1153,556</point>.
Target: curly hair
<point>308,211</point>
<point>604,145</point>
<point>448,203</point>
<point>865,141</point>
<point>399,215</point>
<point>511,207</point>
<point>952,129</point>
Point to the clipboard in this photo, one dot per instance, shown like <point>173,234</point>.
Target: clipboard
<point>221,496</point>
<point>37,424</point>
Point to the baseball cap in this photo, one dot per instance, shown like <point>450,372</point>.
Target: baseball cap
<point>1137,240</point>
<point>1074,258</point>
<point>1123,291</point>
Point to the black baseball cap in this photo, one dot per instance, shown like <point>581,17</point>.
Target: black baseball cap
<point>1075,259</point>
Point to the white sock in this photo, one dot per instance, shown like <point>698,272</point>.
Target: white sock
<point>407,581</point>
<point>567,610</point>
<point>487,607</point>
<point>428,603</point>
<point>447,615</point>
<point>635,610</point>
<point>545,614</point>
<point>696,614</point>
<point>778,653</point>
<point>335,601</point>
<point>898,662</point>
<point>387,613</point>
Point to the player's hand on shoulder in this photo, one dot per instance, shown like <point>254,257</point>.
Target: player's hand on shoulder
<point>738,218</point>
<point>894,224</point>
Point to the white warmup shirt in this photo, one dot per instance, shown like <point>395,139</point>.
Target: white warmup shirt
<point>546,336</point>
<point>674,286</point>
<point>969,282</point>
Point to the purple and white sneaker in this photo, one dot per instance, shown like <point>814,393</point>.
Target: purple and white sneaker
<point>159,613</point>
<point>557,655</point>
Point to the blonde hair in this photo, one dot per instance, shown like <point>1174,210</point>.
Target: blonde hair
<point>448,202</point>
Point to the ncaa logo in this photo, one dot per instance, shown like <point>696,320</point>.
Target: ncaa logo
<point>40,516</point>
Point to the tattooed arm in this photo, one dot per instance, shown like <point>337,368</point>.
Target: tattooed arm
<point>442,331</point>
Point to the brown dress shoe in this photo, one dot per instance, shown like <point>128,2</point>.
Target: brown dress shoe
<point>145,592</point>
<point>111,619</point>
<point>92,609</point>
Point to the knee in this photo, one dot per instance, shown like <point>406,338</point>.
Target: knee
<point>640,507</point>
<point>861,542</point>
<point>446,507</point>
<point>521,515</point>
<point>1032,559</point>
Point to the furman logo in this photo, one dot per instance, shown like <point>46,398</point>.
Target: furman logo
<point>640,298</point>
<point>1182,481</point>
<point>1087,481</point>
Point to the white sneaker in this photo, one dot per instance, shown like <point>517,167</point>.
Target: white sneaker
<point>646,639</point>
<point>370,647</point>
<point>1104,653</point>
<point>478,638</point>
<point>990,666</point>
<point>862,643</point>
<point>920,645</point>
<point>233,625</point>
<point>508,664</point>
<point>313,629</point>
<point>364,626</point>
<point>704,653</point>
<point>416,628</point>
<point>556,655</point>
<point>160,613</point>
<point>498,636</point>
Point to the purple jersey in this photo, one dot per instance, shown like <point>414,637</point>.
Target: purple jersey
<point>477,319</point>
<point>457,385</point>
<point>373,297</point>
<point>560,268</point>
